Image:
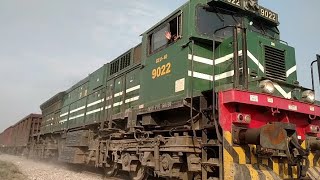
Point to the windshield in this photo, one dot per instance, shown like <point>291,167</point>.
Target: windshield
<point>264,28</point>
<point>210,19</point>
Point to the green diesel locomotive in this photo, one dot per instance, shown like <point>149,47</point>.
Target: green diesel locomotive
<point>210,93</point>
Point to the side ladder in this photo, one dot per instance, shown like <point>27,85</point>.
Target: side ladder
<point>211,149</point>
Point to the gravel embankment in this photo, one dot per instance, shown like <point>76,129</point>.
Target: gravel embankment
<point>36,170</point>
<point>10,171</point>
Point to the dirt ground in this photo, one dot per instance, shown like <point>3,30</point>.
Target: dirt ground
<point>19,168</point>
<point>9,171</point>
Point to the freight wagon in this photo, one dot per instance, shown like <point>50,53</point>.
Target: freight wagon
<point>5,139</point>
<point>210,93</point>
<point>18,138</point>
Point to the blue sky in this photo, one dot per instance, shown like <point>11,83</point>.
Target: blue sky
<point>46,46</point>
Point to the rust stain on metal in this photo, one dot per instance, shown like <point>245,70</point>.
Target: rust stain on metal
<point>275,134</point>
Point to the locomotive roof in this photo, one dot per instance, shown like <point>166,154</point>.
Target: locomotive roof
<point>167,17</point>
<point>52,100</point>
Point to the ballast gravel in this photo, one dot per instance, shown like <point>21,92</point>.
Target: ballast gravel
<point>38,170</point>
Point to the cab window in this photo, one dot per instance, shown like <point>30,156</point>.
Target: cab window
<point>165,35</point>
<point>158,39</point>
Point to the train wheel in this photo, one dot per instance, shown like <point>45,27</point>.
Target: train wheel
<point>140,174</point>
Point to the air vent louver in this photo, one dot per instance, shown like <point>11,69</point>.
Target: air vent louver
<point>120,63</point>
<point>275,63</point>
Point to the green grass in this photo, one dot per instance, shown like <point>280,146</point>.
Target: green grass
<point>9,171</point>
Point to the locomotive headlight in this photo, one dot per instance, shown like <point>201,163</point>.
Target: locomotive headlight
<point>309,96</point>
<point>267,86</point>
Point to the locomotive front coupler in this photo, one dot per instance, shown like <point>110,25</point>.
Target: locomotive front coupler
<point>270,136</point>
<point>274,139</point>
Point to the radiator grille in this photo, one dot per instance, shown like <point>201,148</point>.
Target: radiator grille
<point>275,63</point>
<point>125,61</point>
<point>120,63</point>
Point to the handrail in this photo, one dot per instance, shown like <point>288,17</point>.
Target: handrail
<point>236,55</point>
<point>236,68</point>
<point>312,73</point>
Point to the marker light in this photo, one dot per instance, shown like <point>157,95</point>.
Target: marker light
<point>247,118</point>
<point>309,96</point>
<point>239,118</point>
<point>267,86</point>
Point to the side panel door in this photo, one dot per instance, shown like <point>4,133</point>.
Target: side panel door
<point>63,118</point>
<point>132,92</point>
<point>109,99</point>
<point>95,107</point>
<point>77,111</point>
<point>118,93</point>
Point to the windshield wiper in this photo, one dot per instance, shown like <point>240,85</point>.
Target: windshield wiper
<point>262,28</point>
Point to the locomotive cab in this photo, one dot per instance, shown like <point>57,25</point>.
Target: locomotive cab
<point>230,54</point>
